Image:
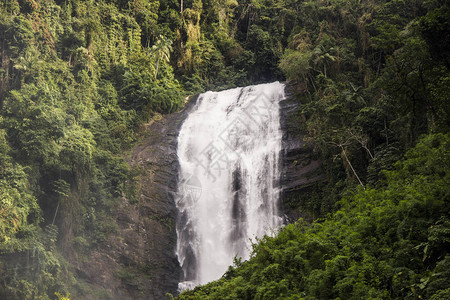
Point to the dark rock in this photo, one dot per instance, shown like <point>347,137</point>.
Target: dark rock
<point>138,261</point>
<point>300,170</point>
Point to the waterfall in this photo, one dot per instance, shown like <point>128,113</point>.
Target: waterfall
<point>228,188</point>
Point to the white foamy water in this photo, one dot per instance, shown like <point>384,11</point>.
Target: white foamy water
<point>228,191</point>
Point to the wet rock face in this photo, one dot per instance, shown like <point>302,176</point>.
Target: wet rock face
<point>300,170</point>
<point>138,261</point>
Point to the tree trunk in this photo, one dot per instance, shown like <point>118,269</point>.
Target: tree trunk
<point>350,164</point>
<point>157,66</point>
<point>56,212</point>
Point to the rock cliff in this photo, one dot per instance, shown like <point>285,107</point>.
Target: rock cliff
<point>138,261</point>
<point>300,169</point>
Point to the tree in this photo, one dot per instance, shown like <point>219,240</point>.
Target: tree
<point>161,49</point>
<point>323,57</point>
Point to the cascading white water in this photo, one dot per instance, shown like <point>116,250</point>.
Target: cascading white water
<point>228,150</point>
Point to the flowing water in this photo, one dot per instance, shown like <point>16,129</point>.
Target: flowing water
<point>228,189</point>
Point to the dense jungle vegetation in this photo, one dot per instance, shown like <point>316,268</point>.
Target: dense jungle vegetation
<point>79,78</point>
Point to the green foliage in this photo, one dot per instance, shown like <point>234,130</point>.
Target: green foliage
<point>295,64</point>
<point>390,242</point>
<point>61,297</point>
<point>77,78</point>
<point>161,49</point>
<point>369,81</point>
<point>371,78</point>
